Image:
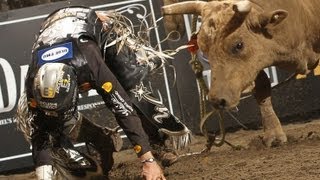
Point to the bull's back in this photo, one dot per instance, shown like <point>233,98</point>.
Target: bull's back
<point>296,5</point>
<point>305,13</point>
<point>303,21</point>
<point>302,26</point>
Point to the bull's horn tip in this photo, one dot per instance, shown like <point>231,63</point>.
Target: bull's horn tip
<point>165,10</point>
<point>243,6</point>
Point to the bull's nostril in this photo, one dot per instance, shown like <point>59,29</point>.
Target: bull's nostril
<point>222,103</point>
<point>218,103</point>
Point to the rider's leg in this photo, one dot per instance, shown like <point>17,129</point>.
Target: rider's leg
<point>41,148</point>
<point>101,138</point>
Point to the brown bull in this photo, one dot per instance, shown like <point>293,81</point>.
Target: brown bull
<point>241,38</point>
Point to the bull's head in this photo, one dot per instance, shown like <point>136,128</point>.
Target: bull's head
<point>233,36</point>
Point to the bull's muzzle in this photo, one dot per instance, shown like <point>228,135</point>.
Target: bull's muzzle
<point>218,103</point>
<point>224,98</point>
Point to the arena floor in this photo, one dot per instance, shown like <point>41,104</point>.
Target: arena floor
<point>298,159</point>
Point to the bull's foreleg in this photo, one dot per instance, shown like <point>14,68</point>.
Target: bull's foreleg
<point>273,131</point>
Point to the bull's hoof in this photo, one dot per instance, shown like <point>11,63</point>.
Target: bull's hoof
<point>168,158</point>
<point>274,140</point>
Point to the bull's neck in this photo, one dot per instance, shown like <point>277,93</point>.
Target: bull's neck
<point>298,35</point>
<point>304,15</point>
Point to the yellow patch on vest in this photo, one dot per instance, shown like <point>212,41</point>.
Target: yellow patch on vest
<point>107,86</point>
<point>137,148</point>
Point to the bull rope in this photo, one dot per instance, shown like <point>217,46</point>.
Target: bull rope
<point>203,90</point>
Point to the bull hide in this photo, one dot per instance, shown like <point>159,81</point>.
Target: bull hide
<point>242,37</point>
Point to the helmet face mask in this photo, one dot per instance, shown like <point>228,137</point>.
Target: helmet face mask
<point>55,89</point>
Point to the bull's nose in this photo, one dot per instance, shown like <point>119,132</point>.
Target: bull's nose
<point>218,103</point>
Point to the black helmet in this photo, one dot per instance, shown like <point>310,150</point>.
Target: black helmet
<point>55,89</point>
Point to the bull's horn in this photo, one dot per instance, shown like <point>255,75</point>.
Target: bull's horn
<point>188,7</point>
<point>242,6</point>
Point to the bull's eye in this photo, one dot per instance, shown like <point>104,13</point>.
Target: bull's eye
<point>237,47</point>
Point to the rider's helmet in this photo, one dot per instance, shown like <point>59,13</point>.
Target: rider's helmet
<point>55,89</point>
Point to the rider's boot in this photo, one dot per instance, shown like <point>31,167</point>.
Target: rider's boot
<point>44,172</point>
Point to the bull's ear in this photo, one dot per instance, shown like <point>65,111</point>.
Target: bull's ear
<point>271,19</point>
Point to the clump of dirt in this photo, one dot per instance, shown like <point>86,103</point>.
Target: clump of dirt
<point>257,143</point>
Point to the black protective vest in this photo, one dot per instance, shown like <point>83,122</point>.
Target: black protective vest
<point>64,29</point>
<point>71,22</point>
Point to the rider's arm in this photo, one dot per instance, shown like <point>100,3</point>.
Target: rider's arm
<point>115,97</point>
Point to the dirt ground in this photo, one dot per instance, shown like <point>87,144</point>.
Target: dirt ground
<point>298,159</point>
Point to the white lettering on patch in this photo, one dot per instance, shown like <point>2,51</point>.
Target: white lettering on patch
<point>48,105</point>
<point>54,53</point>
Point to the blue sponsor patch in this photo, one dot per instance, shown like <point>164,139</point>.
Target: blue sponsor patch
<point>55,53</point>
